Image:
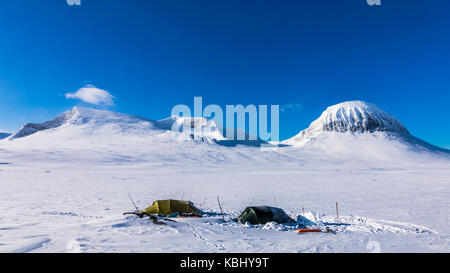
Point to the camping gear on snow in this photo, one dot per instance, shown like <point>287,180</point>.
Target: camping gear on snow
<point>155,220</point>
<point>172,208</point>
<point>306,230</point>
<point>161,209</point>
<point>151,217</point>
<point>264,214</point>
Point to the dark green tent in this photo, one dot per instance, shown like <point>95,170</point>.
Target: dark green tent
<point>264,214</point>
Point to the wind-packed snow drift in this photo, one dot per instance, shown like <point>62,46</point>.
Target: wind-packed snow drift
<point>65,185</point>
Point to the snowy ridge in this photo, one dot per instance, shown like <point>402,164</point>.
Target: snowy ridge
<point>91,118</point>
<point>31,128</point>
<point>195,127</point>
<point>88,122</point>
<point>353,128</point>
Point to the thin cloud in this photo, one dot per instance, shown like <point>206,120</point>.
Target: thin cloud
<point>291,107</point>
<point>92,95</point>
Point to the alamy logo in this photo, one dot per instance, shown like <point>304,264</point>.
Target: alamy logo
<point>257,120</point>
<point>74,2</point>
<point>374,2</point>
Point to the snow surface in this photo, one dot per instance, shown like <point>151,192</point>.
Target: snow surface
<point>64,189</point>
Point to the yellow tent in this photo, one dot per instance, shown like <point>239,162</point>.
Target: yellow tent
<point>168,207</point>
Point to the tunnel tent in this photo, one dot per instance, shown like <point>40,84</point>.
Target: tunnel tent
<point>264,214</point>
<point>172,207</point>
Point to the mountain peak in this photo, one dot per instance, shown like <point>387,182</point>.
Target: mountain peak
<point>351,116</point>
<point>199,127</point>
<point>358,116</point>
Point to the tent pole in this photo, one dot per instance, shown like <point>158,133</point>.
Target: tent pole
<point>337,212</point>
<point>133,203</point>
<point>221,211</point>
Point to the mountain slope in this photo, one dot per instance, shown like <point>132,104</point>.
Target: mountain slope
<point>4,135</point>
<point>89,119</point>
<point>87,122</point>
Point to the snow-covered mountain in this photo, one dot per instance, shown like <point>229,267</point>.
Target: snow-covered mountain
<point>87,122</point>
<point>86,118</point>
<point>195,128</point>
<point>353,117</point>
<point>4,135</point>
<point>355,128</point>
<point>358,126</point>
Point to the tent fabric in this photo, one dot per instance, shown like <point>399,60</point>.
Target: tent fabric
<point>168,207</point>
<point>264,214</point>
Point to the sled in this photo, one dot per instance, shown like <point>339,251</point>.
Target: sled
<point>307,230</point>
<point>181,215</point>
<point>189,216</point>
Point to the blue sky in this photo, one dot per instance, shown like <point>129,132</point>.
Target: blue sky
<point>152,55</point>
